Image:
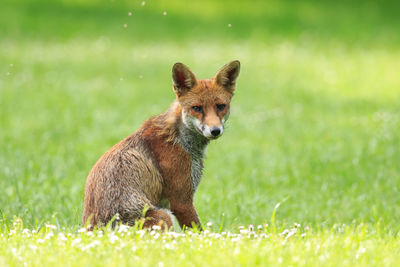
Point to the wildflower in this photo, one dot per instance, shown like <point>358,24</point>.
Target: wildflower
<point>156,227</point>
<point>90,245</point>
<point>217,236</point>
<point>89,233</point>
<point>236,239</point>
<point>26,231</point>
<point>129,13</point>
<point>50,226</point>
<point>76,241</point>
<point>113,238</point>
<point>264,235</point>
<point>123,228</point>
<point>244,231</point>
<point>291,233</point>
<point>49,235</point>
<point>62,237</point>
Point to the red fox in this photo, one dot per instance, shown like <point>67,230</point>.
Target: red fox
<point>157,169</point>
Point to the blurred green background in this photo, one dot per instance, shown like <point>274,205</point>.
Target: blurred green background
<point>314,124</point>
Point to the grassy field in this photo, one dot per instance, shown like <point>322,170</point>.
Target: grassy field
<point>314,126</point>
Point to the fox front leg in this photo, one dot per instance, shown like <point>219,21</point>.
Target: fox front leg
<point>186,215</point>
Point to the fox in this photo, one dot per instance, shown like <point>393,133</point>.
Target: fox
<point>154,173</point>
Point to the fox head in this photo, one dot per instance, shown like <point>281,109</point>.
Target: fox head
<point>205,103</point>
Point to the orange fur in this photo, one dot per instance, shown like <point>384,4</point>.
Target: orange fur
<point>162,160</point>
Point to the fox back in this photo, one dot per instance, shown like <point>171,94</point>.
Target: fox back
<point>158,168</point>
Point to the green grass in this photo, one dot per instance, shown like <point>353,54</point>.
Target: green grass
<point>253,246</point>
<point>314,125</point>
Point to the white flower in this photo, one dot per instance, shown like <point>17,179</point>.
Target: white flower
<point>62,237</point>
<point>236,239</point>
<point>244,232</point>
<point>90,245</point>
<point>51,226</point>
<point>26,232</point>
<point>113,238</point>
<point>49,235</point>
<point>156,227</point>
<point>76,241</point>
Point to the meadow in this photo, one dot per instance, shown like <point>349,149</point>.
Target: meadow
<point>313,137</point>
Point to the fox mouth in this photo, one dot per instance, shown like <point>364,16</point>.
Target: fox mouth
<point>212,137</point>
<point>209,137</point>
<point>199,131</point>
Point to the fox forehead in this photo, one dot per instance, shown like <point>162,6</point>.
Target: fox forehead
<point>206,92</point>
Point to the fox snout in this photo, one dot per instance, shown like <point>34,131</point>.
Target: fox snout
<point>216,131</point>
<point>210,131</point>
<point>213,132</point>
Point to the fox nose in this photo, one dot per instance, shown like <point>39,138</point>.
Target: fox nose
<point>215,131</point>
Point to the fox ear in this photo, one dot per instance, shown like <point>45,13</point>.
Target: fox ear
<point>227,75</point>
<point>183,79</point>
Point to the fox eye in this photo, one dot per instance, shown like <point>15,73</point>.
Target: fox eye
<point>198,109</point>
<point>221,107</point>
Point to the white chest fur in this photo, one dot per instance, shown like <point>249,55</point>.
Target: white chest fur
<point>195,144</point>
